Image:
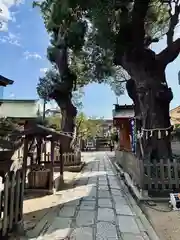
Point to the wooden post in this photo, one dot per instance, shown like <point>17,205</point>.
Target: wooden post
<point>39,148</point>
<point>5,213</point>
<point>21,179</point>
<point>61,179</point>
<point>51,166</point>
<point>45,152</point>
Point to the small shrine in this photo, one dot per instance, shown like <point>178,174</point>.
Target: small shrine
<point>123,120</point>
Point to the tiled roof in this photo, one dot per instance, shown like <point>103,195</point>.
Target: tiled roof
<point>5,81</point>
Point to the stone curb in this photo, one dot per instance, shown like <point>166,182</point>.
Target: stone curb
<point>134,204</point>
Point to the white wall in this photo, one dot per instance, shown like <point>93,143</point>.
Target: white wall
<point>18,109</point>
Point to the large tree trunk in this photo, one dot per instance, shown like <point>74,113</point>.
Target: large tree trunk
<point>151,98</point>
<point>147,69</point>
<point>63,93</point>
<point>68,112</point>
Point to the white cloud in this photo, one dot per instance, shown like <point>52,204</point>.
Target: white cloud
<point>43,70</point>
<point>11,38</point>
<point>5,14</point>
<point>31,55</point>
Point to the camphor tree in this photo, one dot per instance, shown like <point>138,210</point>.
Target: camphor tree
<point>114,35</point>
<point>72,68</point>
<point>125,29</point>
<point>46,87</point>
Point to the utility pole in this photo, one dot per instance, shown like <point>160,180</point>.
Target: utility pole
<point>117,101</point>
<point>44,109</point>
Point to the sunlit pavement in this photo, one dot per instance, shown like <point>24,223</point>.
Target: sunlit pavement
<point>96,208</point>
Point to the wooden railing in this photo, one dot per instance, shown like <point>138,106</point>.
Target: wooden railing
<point>69,159</point>
<point>11,201</point>
<point>157,177</point>
<point>162,177</point>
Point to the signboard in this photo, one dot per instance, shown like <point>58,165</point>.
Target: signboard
<point>133,135</point>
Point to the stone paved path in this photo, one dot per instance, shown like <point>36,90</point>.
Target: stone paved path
<point>97,208</point>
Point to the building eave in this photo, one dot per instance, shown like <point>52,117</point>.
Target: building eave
<point>5,81</point>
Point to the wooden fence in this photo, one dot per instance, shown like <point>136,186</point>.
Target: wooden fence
<point>69,159</point>
<point>11,201</point>
<point>158,178</point>
<point>162,177</point>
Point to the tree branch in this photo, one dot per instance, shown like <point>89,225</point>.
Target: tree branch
<point>138,18</point>
<point>149,40</point>
<point>174,19</point>
<point>169,54</point>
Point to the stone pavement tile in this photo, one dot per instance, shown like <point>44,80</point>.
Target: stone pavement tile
<point>103,183</point>
<point>93,191</point>
<point>113,183</point>
<point>88,205</point>
<point>105,202</point>
<point>112,178</point>
<point>103,194</point>
<point>106,231</point>
<point>75,202</point>
<point>92,180</point>
<point>122,209</point>
<point>102,178</point>
<point>89,198</point>
<point>67,211</point>
<point>140,225</point>
<point>85,218</point>
<point>127,224</point>
<point>115,186</point>
<point>119,200</point>
<point>59,229</point>
<point>106,214</point>
<point>130,236</point>
<point>116,192</point>
<point>104,187</point>
<point>84,233</point>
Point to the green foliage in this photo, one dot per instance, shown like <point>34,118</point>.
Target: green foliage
<point>51,79</point>
<point>90,28</point>
<point>54,122</point>
<point>92,63</point>
<point>88,127</point>
<point>177,126</point>
<point>8,126</point>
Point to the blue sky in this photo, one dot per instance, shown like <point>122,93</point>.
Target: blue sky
<point>23,44</point>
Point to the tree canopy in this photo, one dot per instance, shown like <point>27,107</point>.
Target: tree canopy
<point>108,41</point>
<point>91,28</point>
<point>87,127</point>
<point>48,82</point>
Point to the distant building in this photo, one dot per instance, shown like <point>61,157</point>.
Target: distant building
<point>106,126</point>
<point>3,83</point>
<point>175,115</point>
<point>53,112</point>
